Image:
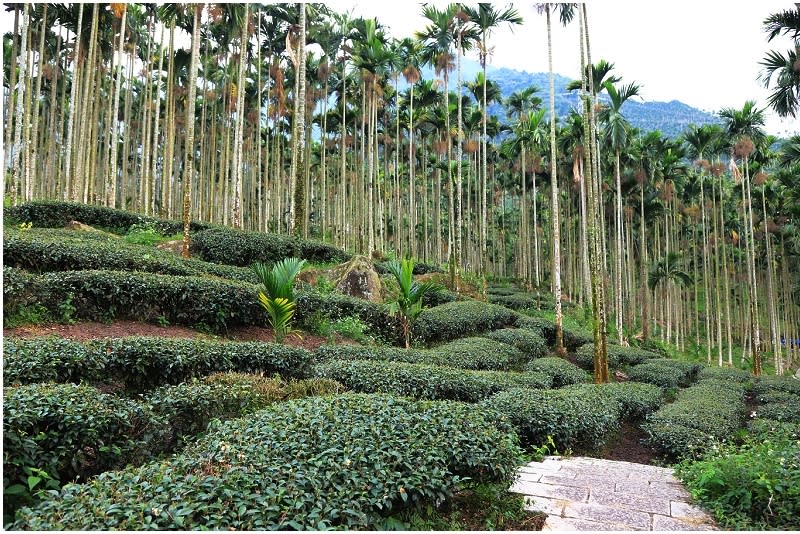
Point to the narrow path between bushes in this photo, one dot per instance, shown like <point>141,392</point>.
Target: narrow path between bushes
<point>583,494</point>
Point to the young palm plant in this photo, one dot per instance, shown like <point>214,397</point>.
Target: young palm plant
<point>279,300</point>
<point>408,305</point>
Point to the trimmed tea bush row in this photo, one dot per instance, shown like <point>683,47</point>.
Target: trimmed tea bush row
<point>56,214</point>
<point>572,338</point>
<point>242,248</point>
<point>577,416</point>
<point>766,384</point>
<point>144,362</point>
<point>726,373</point>
<point>426,381</point>
<point>60,432</point>
<point>560,370</point>
<point>617,356</point>
<point>340,462</point>
<point>335,307</point>
<point>460,319</point>
<point>107,295</point>
<point>62,250</point>
<point>467,353</point>
<point>779,406</point>
<point>706,413</point>
<point>531,342</point>
<point>523,301</point>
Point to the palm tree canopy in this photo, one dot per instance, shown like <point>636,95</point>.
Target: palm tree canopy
<point>667,268</point>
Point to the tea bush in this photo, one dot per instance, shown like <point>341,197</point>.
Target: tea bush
<point>426,381</point>
<point>145,362</point>
<point>459,319</point>
<point>700,416</point>
<point>334,307</point>
<point>562,371</point>
<point>69,431</point>
<point>341,462</point>
<point>62,250</point>
<point>107,295</point>
<point>243,248</point>
<point>479,353</point>
<point>657,374</point>
<point>726,373</point>
<point>786,384</point>
<point>546,328</point>
<point>752,486</point>
<point>56,214</point>
<point>528,341</point>
<point>617,356</point>
<point>575,418</point>
<point>636,399</point>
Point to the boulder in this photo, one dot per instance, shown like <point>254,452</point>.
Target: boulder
<point>358,278</point>
<point>80,227</point>
<point>175,246</point>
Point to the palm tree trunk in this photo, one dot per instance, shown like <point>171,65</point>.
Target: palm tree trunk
<point>239,126</point>
<point>17,159</point>
<point>188,158</point>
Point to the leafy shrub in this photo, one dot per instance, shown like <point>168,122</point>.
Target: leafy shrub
<point>752,486</point>
<point>28,361</point>
<point>479,353</point>
<point>437,298</point>
<point>360,352</point>
<point>523,301</point>
<point>562,371</point>
<point>56,214</point>
<point>617,356</point>
<point>382,267</point>
<point>543,326</point>
<point>787,412</point>
<point>459,319</point>
<point>575,418</point>
<point>68,431</point>
<point>690,370</point>
<point>636,399</point>
<point>145,362</point>
<point>106,295</point>
<point>529,342</point>
<point>189,407</point>
<point>62,250</point>
<point>334,307</point>
<point>426,381</point>
<point>503,290</point>
<point>242,248</point>
<point>340,462</point>
<point>700,416</point>
<point>725,373</point>
<point>771,397</point>
<point>786,384</point>
<point>657,374</point>
<point>20,290</point>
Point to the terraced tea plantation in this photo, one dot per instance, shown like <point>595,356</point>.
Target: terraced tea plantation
<point>131,432</point>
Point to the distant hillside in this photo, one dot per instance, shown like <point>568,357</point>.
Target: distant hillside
<point>671,118</point>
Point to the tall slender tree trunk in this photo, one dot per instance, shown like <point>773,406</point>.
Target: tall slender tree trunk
<point>297,210</point>
<point>238,159</point>
<point>18,158</point>
<point>188,158</point>
<point>113,173</point>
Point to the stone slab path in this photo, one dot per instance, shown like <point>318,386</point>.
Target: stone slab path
<point>593,494</point>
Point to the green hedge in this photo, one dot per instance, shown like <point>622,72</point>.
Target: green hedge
<point>342,462</point>
<point>617,356</point>
<point>70,431</point>
<point>56,214</point>
<point>467,353</point>
<point>779,406</point>
<point>725,373</point>
<point>313,305</point>
<point>575,418</point>
<point>546,328</point>
<point>531,342</point>
<point>657,374</point>
<point>562,371</point>
<point>189,407</point>
<point>460,319</point>
<point>523,301</point>
<point>145,362</point>
<point>243,248</point>
<point>106,295</point>
<point>61,250</point>
<point>636,400</point>
<point>479,353</point>
<point>787,384</point>
<point>702,415</point>
<point>426,381</point>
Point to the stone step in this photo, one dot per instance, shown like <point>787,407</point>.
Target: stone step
<point>591,494</point>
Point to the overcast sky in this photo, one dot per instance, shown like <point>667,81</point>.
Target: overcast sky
<point>705,54</point>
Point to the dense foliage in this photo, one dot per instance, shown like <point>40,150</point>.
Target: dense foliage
<point>343,461</point>
<point>426,381</point>
<point>562,371</point>
<point>529,341</point>
<point>460,319</point>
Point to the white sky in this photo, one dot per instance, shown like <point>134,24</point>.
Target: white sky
<point>702,53</point>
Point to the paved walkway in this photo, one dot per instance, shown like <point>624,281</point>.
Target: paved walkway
<point>593,494</point>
